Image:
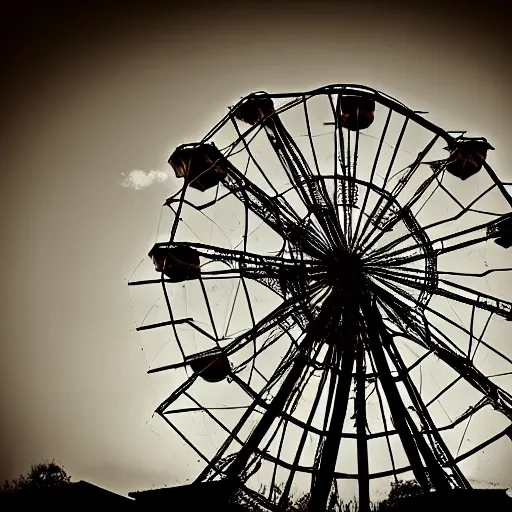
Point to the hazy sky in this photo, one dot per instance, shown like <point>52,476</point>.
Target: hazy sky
<point>88,96</point>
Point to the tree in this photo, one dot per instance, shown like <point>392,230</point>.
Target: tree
<point>400,490</point>
<point>42,475</point>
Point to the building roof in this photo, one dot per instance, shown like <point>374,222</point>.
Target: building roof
<point>83,492</point>
<point>495,500</point>
<point>195,492</point>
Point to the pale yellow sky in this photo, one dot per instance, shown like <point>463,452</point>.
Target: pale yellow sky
<point>93,95</point>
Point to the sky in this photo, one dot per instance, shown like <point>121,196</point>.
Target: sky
<point>94,102</point>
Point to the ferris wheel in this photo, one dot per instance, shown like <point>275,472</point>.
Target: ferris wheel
<point>334,277</point>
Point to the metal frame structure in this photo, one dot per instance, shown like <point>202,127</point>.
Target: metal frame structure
<point>347,286</point>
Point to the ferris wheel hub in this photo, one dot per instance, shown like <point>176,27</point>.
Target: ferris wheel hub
<point>345,269</point>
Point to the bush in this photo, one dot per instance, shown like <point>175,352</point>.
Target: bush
<point>43,475</point>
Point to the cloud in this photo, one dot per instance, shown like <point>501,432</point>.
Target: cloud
<point>140,179</point>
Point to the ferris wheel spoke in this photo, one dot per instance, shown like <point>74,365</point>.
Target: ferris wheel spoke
<point>334,376</point>
<point>458,352</point>
<point>338,152</point>
<point>395,153</point>
<point>307,429</point>
<point>283,329</point>
<point>388,300</point>
<point>283,220</point>
<point>313,193</point>
<point>259,453</point>
<point>345,188</point>
<point>272,211</point>
<point>470,333</point>
<point>246,145</point>
<point>272,412</point>
<point>438,447</point>
<point>422,243</point>
<point>322,483</point>
<point>387,431</point>
<point>379,217</point>
<point>405,316</point>
<point>471,297</point>
<point>275,211</point>
<point>425,281</point>
<point>403,214</point>
<point>429,197</point>
<point>311,143</point>
<point>273,337</point>
<point>346,333</point>
<point>207,411</point>
<point>253,323</point>
<point>273,272</point>
<point>379,211</point>
<point>372,255</point>
<point>424,186</point>
<point>500,399</point>
<point>319,328</point>
<point>449,273</point>
<point>258,400</point>
<point>349,187</point>
<point>293,161</point>
<point>361,426</point>
<point>412,442</point>
<point>372,176</point>
<point>435,453</point>
<point>479,232</point>
<point>435,252</point>
<point>322,201</point>
<point>172,321</point>
<point>346,196</point>
<point>273,487</point>
<point>286,416</point>
<point>295,397</point>
<point>282,318</point>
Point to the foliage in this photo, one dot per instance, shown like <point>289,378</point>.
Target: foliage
<point>399,490</point>
<point>42,475</point>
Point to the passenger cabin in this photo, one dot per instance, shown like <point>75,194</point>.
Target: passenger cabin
<point>179,263</point>
<point>212,365</point>
<point>467,157</point>
<point>356,112</point>
<point>254,109</point>
<point>202,166</point>
<point>501,231</point>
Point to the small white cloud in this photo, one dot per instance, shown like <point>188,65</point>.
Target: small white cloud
<point>140,179</point>
<point>509,493</point>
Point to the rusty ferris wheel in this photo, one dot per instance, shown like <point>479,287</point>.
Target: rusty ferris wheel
<point>334,287</point>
